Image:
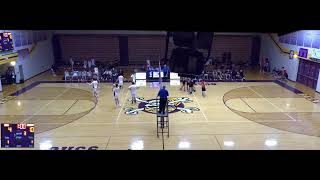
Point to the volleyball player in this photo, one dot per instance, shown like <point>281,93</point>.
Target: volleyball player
<point>116,92</point>
<point>120,80</point>
<point>203,88</point>
<point>94,85</point>
<point>188,83</point>
<point>183,84</point>
<point>191,86</point>
<point>133,77</point>
<point>133,88</point>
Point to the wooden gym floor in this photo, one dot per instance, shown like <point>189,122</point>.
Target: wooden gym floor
<point>233,115</point>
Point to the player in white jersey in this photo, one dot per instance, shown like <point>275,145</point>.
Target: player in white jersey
<point>133,88</point>
<point>133,78</point>
<point>120,80</point>
<point>116,92</point>
<point>94,84</point>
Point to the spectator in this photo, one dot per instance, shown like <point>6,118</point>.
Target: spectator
<point>89,75</point>
<point>234,74</point>
<point>96,71</point>
<point>165,70</point>
<point>266,67</point>
<point>209,62</point>
<point>85,64</point>
<point>261,63</point>
<point>242,75</point>
<point>71,63</point>
<point>89,64</point>
<point>284,74</point>
<point>93,63</point>
<point>114,74</point>
<point>66,75</point>
<point>84,75</point>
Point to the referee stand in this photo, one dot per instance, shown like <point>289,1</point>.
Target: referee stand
<point>163,122</point>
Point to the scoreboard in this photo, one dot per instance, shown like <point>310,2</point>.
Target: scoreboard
<point>154,74</point>
<point>6,43</point>
<point>17,135</point>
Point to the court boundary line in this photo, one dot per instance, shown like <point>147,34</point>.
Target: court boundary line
<point>272,104</point>
<point>70,106</point>
<point>248,105</point>
<point>109,138</point>
<point>124,102</point>
<point>36,83</point>
<point>181,123</point>
<point>190,122</point>
<point>218,142</point>
<point>285,133</point>
<point>205,117</point>
<point>34,114</point>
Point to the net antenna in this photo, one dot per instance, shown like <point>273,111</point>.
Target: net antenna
<point>160,78</point>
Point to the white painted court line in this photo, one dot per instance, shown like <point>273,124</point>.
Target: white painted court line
<point>46,105</point>
<point>122,105</point>
<point>272,103</point>
<point>186,122</point>
<point>200,107</point>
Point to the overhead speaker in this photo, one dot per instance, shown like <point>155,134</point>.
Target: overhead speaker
<point>183,39</point>
<point>204,40</point>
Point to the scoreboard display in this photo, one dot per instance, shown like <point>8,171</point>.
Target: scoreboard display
<point>154,74</point>
<point>6,43</point>
<point>17,135</point>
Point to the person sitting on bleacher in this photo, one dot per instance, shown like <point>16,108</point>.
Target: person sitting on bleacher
<point>286,74</point>
<point>85,64</point>
<point>278,74</point>
<point>241,73</point>
<point>215,74</point>
<point>75,75</point>
<point>66,75</point>
<point>105,74</point>
<point>114,74</point>
<point>89,75</point>
<point>96,71</point>
<point>219,74</point>
<point>228,74</point>
<point>93,62</point>
<point>275,73</point>
<point>209,62</point>
<point>234,74</point>
<point>89,64</point>
<point>83,75</point>
<point>148,65</point>
<point>71,63</point>
<point>223,74</point>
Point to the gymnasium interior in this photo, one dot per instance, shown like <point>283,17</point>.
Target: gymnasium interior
<point>261,90</point>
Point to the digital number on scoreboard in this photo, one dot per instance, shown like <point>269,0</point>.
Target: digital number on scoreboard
<point>17,135</point>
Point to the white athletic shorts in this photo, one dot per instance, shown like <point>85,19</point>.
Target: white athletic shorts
<point>95,90</point>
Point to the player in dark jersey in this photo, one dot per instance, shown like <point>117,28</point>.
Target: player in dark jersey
<point>203,88</point>
<point>183,84</point>
<point>191,86</point>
